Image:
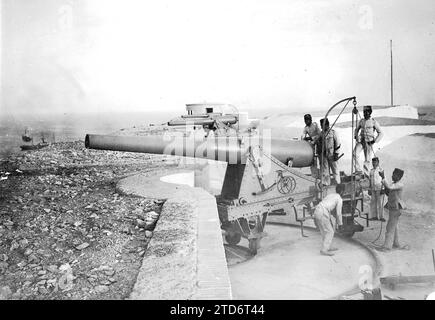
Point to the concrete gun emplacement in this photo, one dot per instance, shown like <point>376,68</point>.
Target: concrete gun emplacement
<point>262,178</point>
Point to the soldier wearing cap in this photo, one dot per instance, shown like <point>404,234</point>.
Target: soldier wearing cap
<point>311,130</point>
<point>367,133</point>
<point>394,205</point>
<point>311,133</point>
<point>329,155</point>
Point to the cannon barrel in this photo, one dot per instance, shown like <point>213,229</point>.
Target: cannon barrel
<point>229,149</point>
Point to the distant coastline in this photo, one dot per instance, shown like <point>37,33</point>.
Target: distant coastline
<point>69,126</point>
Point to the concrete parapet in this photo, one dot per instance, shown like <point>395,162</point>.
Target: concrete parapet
<point>185,258</point>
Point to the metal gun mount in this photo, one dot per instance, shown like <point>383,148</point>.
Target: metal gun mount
<point>261,179</point>
<point>254,190</point>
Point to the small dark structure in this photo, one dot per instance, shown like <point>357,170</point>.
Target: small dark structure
<point>26,137</point>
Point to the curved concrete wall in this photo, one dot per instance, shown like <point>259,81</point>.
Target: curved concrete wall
<point>185,258</point>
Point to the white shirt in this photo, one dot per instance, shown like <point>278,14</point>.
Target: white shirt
<point>333,201</point>
<point>368,128</point>
<point>375,178</point>
<point>395,190</point>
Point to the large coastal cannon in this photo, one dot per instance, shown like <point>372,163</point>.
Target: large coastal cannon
<point>261,175</point>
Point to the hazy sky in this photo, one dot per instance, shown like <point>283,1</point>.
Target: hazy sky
<point>82,55</point>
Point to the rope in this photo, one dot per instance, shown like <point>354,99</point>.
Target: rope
<point>380,229</point>
<point>330,128</point>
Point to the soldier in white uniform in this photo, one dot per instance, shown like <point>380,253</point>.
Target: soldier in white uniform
<point>395,205</point>
<point>375,192</point>
<point>322,216</point>
<point>311,133</point>
<point>330,154</point>
<point>366,138</point>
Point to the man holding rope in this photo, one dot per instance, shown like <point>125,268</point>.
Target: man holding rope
<point>366,138</point>
<point>394,205</point>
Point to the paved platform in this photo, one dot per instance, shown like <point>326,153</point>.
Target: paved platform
<point>186,258</point>
<point>288,266</point>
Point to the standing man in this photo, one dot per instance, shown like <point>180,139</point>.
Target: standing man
<point>376,208</point>
<point>311,133</point>
<point>322,217</point>
<point>394,205</point>
<point>311,130</point>
<point>366,138</point>
<point>329,156</point>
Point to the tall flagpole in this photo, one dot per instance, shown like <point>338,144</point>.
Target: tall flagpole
<point>391,56</point>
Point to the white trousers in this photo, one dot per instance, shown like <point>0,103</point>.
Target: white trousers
<point>329,166</point>
<point>368,155</point>
<point>376,205</point>
<point>324,223</point>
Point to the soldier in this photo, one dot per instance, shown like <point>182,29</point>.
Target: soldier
<point>366,138</point>
<point>311,130</point>
<point>329,156</point>
<point>311,133</point>
<point>376,209</point>
<point>322,216</point>
<point>394,205</point>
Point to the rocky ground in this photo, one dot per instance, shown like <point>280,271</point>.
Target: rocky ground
<point>64,231</point>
